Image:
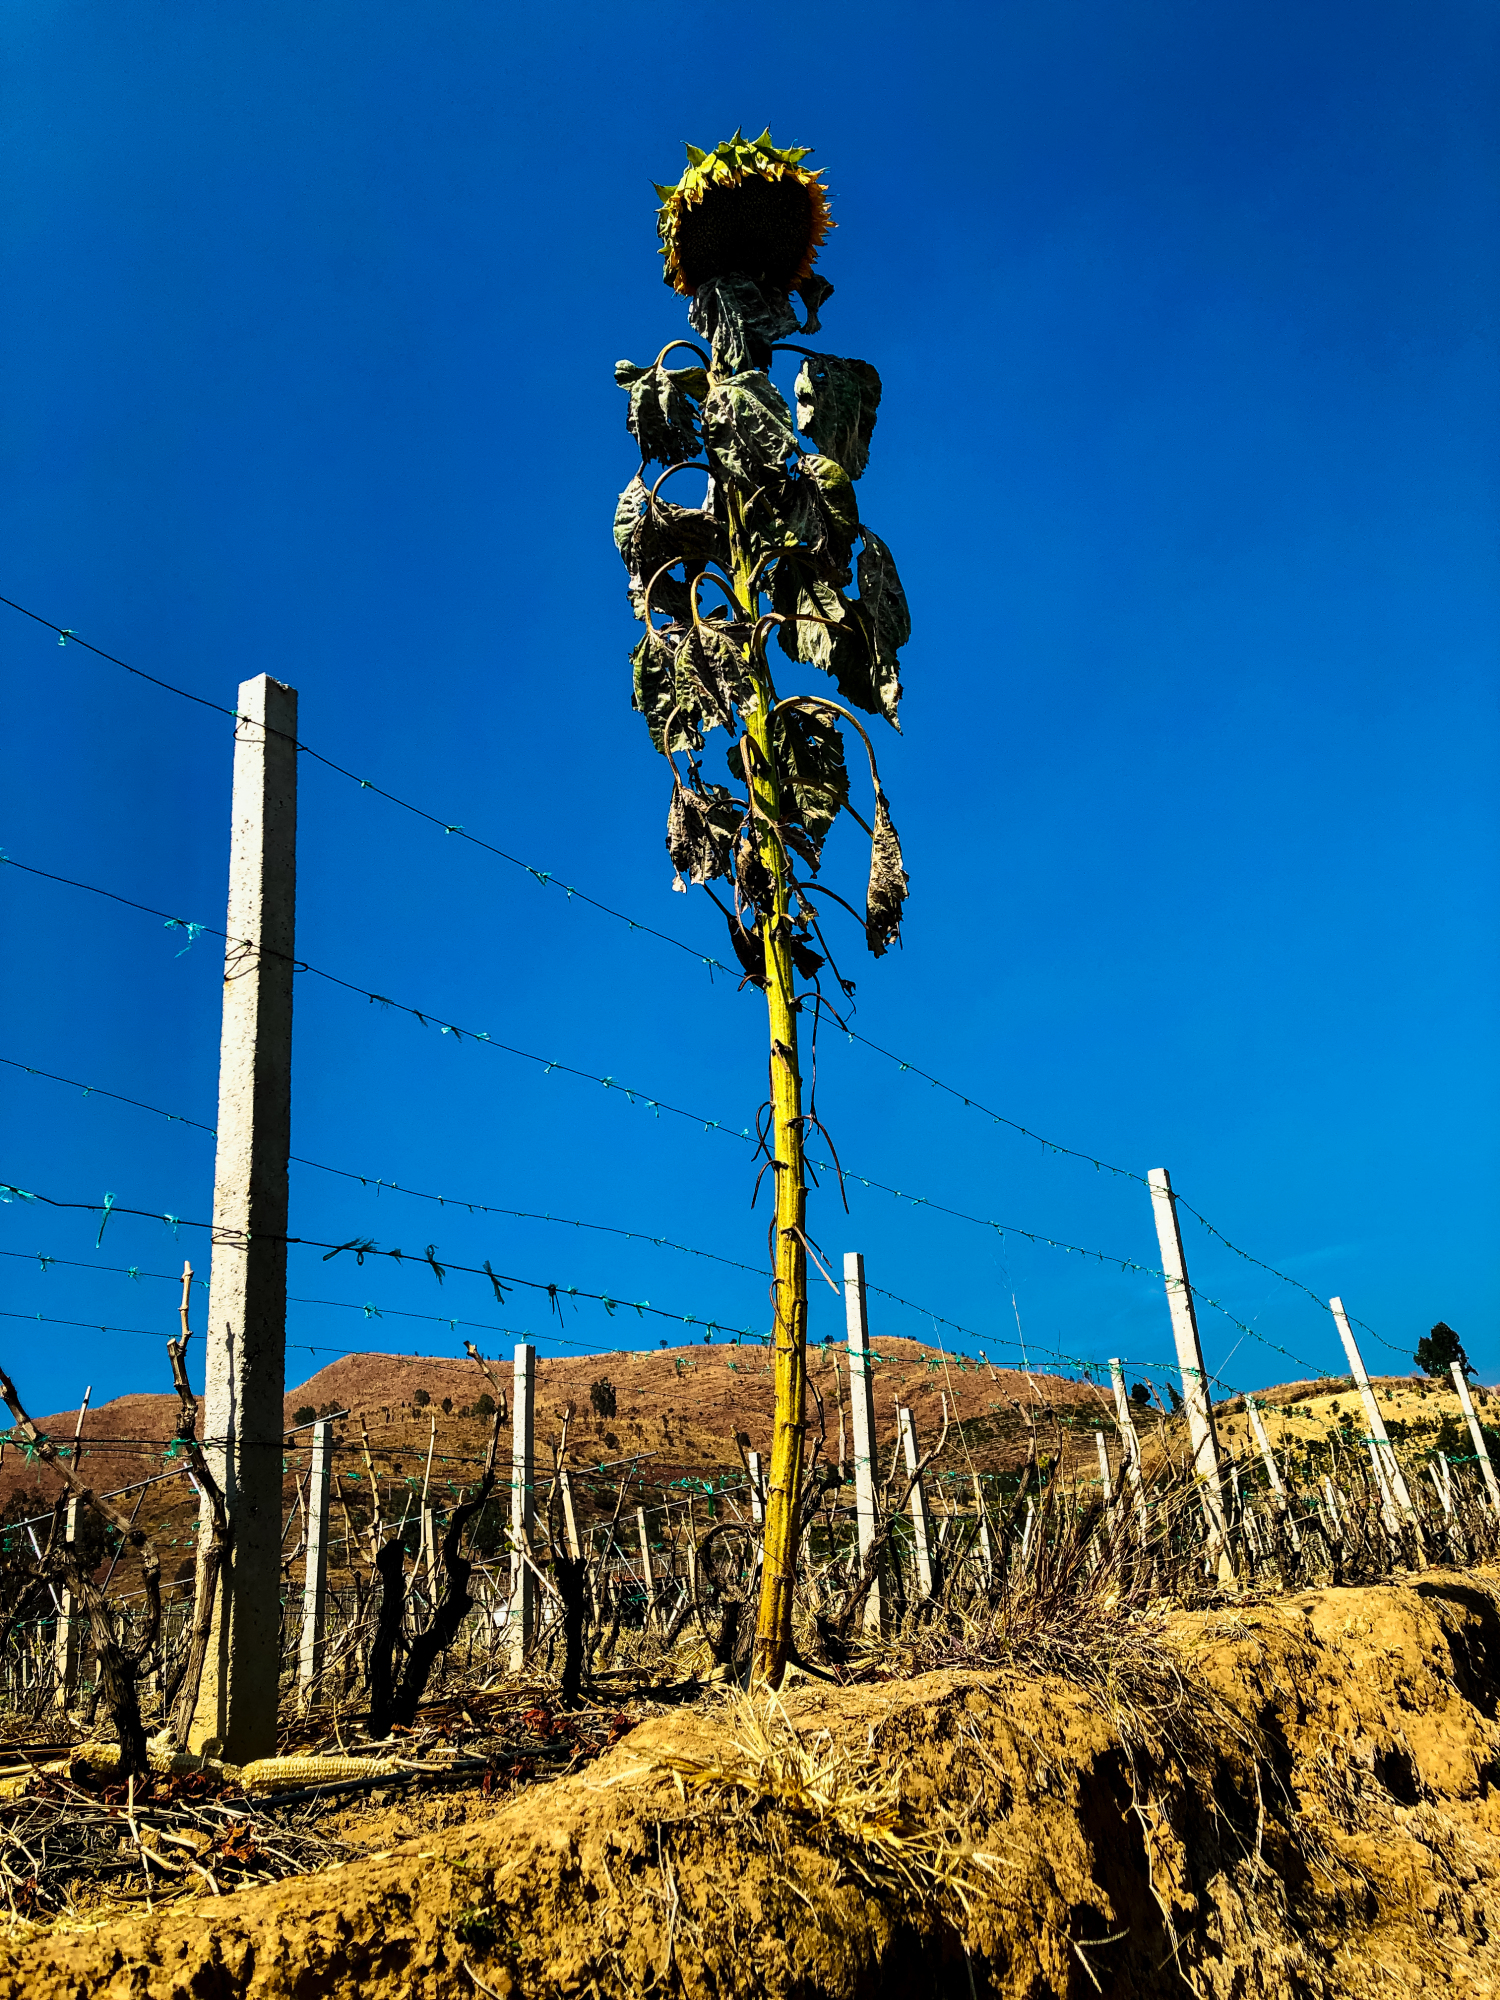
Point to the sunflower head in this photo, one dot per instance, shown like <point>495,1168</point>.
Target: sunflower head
<point>749,208</point>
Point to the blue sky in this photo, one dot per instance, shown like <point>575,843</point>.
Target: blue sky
<point>1186,317</point>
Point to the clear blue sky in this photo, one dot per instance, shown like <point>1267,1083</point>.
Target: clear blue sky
<point>1186,316</point>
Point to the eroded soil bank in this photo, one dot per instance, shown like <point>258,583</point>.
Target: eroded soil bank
<point>1310,1810</point>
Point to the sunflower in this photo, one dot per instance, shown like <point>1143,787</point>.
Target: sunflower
<point>749,208</point>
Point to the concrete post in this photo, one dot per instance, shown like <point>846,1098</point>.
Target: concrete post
<point>648,1569</point>
<point>315,1570</point>
<point>1481,1450</point>
<point>986,1547</point>
<point>1394,1477</point>
<point>921,1525</point>
<point>570,1519</point>
<point>1200,1416</point>
<point>862,1424</point>
<point>522,1505</point>
<point>1447,1472</point>
<point>757,1501</point>
<point>1107,1483</point>
<point>65,1655</point>
<point>245,1342</point>
<point>1273,1472</point>
<point>428,1564</point>
<point>1132,1442</point>
<point>1330,1494</point>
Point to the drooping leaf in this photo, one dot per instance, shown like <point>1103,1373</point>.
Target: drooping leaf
<point>659,534</point>
<point>654,665</point>
<point>810,771</point>
<point>883,599</point>
<point>752,878</point>
<point>661,417</point>
<point>712,665</point>
<point>701,829</point>
<point>741,321</point>
<point>814,292</point>
<point>749,948</point>
<point>836,405</point>
<point>888,883</point>
<point>747,429</point>
<point>810,609</point>
<point>830,515</point>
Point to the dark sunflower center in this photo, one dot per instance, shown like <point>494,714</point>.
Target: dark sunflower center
<point>759,228</point>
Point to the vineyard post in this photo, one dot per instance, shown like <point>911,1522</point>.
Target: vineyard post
<point>522,1505</point>
<point>986,1547</point>
<point>245,1359</point>
<point>1481,1450</point>
<point>1107,1484</point>
<point>65,1655</point>
<point>1273,1471</point>
<point>757,1504</point>
<point>315,1573</point>
<point>1129,1433</point>
<point>429,1557</point>
<point>921,1523</point>
<point>570,1519</point>
<point>1381,1444</point>
<point>862,1423</point>
<point>648,1571</point>
<point>1200,1416</point>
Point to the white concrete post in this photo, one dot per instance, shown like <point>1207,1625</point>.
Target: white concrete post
<point>1273,1472</point>
<point>65,1654</point>
<point>921,1525</point>
<point>1390,1511</point>
<point>1200,1416</point>
<point>245,1340</point>
<point>1331,1496</point>
<point>1394,1477</point>
<point>522,1505</point>
<point>986,1547</point>
<point>648,1568</point>
<point>1441,1492</point>
<point>1447,1484</point>
<point>315,1572</point>
<point>428,1561</point>
<point>570,1519</point>
<point>757,1504</point>
<point>1107,1482</point>
<point>862,1424</point>
<point>1481,1451</point>
<point>1132,1441</point>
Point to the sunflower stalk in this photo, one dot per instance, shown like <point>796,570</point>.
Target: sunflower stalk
<point>776,535</point>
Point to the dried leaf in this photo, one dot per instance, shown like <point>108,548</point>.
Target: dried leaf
<point>701,829</point>
<point>814,292</point>
<point>741,321</point>
<point>747,429</point>
<point>752,878</point>
<point>829,518</point>
<point>810,771</point>
<point>810,608</point>
<point>649,537</point>
<point>654,666</point>
<point>883,599</point>
<point>749,948</point>
<point>836,405</point>
<point>888,883</point>
<point>713,676</point>
<point>661,417</point>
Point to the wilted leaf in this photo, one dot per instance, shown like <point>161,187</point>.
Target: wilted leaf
<point>714,667</point>
<point>814,292</point>
<point>752,878</point>
<point>701,831</point>
<point>661,417</point>
<point>750,949</point>
<point>747,428</point>
<point>655,695</point>
<point>810,770</point>
<point>836,405</point>
<point>830,515</point>
<point>810,610</point>
<point>883,599</point>
<point>741,321</point>
<point>660,534</point>
<point>628,510</point>
<point>888,883</point>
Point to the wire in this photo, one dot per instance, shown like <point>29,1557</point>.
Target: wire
<point>425,1017</point>
<point>363,1247</point>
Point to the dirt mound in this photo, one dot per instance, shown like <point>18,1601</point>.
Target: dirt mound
<point>1312,1812</point>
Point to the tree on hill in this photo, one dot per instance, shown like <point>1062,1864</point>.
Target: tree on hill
<point>1436,1352</point>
